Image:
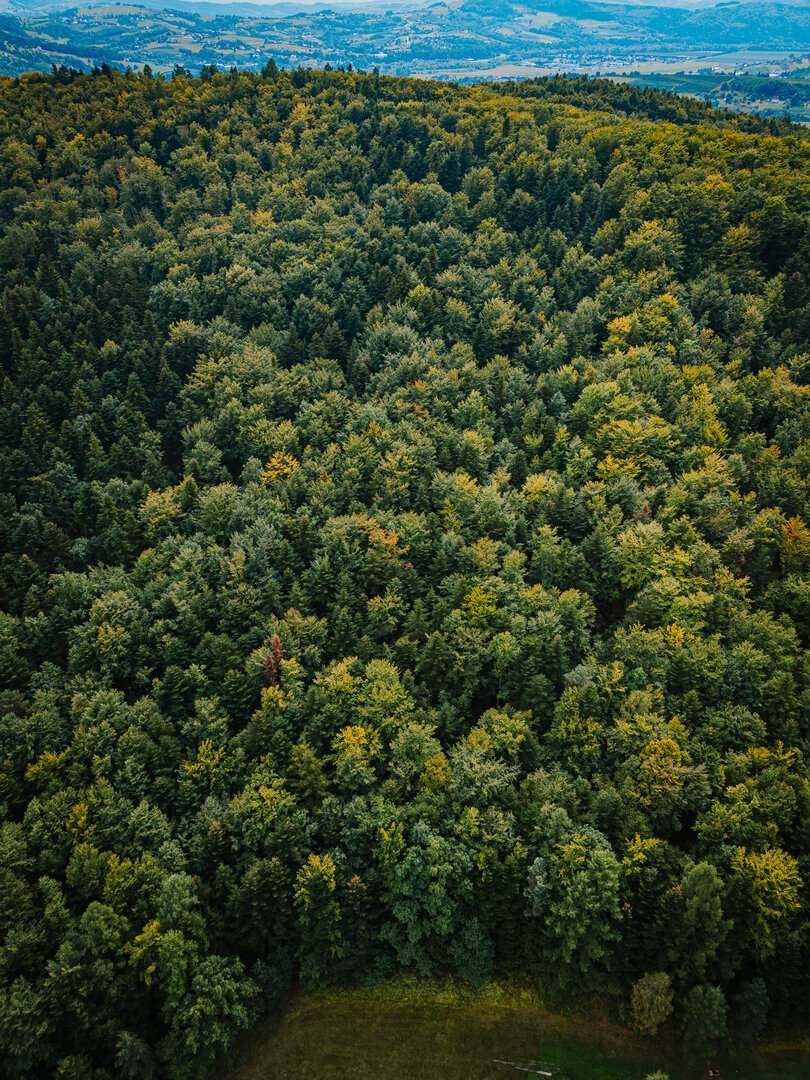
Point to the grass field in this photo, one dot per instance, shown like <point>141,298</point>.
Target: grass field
<point>404,1030</point>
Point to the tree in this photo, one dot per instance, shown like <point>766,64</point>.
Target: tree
<point>427,888</point>
<point>24,1028</point>
<point>219,1003</point>
<point>772,882</point>
<point>651,1002</point>
<point>704,1019</point>
<point>133,1057</point>
<point>580,909</point>
<point>473,954</point>
<point>703,926</point>
<point>318,918</point>
<point>749,1009</point>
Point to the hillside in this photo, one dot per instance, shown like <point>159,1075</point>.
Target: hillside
<point>405,549</point>
<point>464,39</point>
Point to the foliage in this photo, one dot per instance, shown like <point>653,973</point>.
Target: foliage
<point>404,554</point>
<point>704,1019</point>
<point>465,41</point>
<point>651,1002</point>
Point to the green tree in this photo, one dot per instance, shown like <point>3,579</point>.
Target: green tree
<point>651,1002</point>
<point>704,1019</point>
<point>319,919</point>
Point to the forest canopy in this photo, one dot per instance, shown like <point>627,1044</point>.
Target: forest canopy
<point>405,554</point>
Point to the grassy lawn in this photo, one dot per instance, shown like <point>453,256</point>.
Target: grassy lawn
<point>405,1030</point>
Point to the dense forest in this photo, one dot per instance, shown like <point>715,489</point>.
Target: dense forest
<point>405,554</point>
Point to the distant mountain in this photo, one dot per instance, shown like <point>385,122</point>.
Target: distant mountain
<point>691,4</point>
<point>248,10</point>
<point>752,23</point>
